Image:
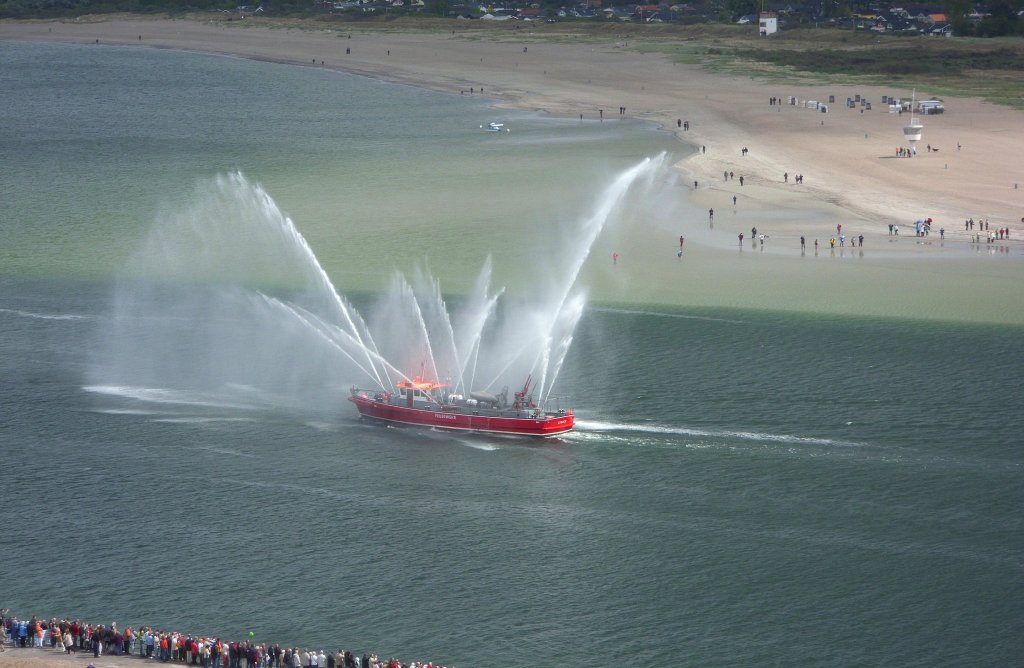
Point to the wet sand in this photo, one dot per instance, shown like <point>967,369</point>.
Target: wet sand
<point>846,156</point>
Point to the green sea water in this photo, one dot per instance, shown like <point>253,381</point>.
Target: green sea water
<point>749,485</point>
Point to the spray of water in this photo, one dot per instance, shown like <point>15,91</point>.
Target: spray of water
<point>226,298</point>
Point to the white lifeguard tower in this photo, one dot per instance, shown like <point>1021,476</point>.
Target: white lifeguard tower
<point>768,23</point>
<point>912,130</point>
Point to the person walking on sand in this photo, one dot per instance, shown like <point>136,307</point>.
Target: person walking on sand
<point>681,240</point>
<point>803,243</point>
<point>711,214</point>
<point>741,240</point>
<point>615,257</point>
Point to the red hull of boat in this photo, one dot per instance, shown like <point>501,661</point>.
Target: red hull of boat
<point>544,425</point>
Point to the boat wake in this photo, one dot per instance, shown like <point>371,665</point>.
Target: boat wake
<point>164,396</point>
<point>658,314</point>
<point>596,426</point>
<point>201,420</point>
<point>44,316</point>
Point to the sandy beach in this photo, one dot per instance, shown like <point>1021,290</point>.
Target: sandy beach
<point>847,157</point>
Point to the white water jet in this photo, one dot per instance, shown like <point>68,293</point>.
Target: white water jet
<point>227,294</point>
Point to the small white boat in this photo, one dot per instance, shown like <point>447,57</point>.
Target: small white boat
<point>495,127</point>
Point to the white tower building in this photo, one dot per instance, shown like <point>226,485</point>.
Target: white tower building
<point>768,23</point>
<point>912,130</point>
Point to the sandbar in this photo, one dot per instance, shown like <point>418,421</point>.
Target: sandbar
<point>847,158</point>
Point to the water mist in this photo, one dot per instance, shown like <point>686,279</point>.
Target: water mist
<point>226,303</point>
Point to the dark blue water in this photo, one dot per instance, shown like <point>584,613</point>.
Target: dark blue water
<point>745,489</point>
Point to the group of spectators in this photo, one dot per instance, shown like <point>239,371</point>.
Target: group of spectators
<point>146,642</point>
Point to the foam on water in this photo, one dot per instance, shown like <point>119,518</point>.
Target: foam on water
<point>476,445</point>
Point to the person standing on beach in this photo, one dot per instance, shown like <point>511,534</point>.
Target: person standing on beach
<point>803,243</point>
<point>681,240</point>
<point>711,214</point>
<point>741,240</point>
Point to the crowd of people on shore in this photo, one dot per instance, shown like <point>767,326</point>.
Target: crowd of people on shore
<point>205,651</point>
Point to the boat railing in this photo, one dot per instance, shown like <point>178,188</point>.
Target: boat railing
<point>555,405</point>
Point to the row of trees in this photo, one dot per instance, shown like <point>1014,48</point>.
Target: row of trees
<point>1003,16</point>
<point>54,8</point>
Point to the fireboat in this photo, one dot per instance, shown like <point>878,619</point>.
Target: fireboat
<point>425,403</point>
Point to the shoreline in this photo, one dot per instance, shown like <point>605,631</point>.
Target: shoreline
<point>52,657</point>
<point>846,156</point>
